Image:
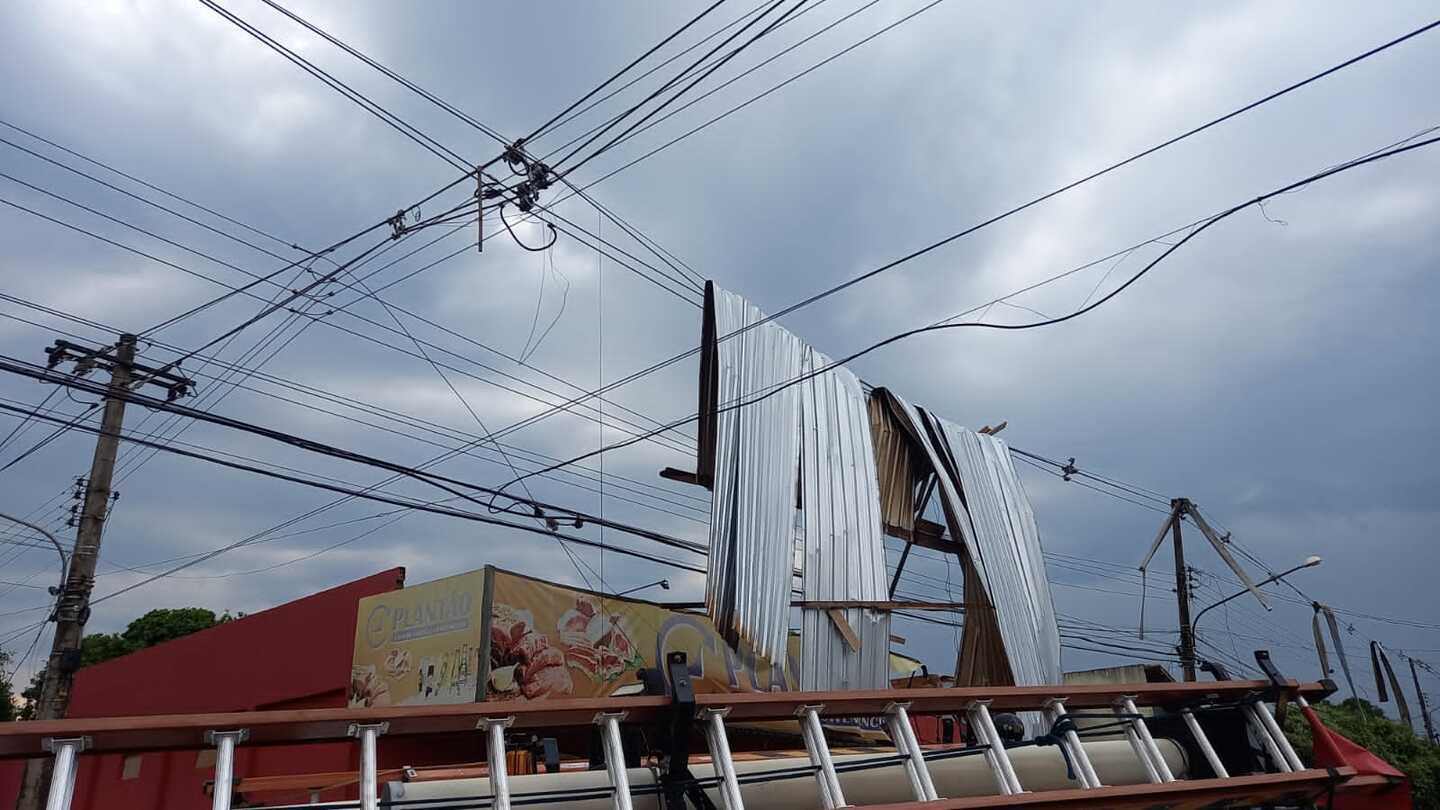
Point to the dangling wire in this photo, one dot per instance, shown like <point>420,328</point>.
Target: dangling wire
<point>554,235</point>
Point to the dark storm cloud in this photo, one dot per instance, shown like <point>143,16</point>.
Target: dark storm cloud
<point>1280,375</point>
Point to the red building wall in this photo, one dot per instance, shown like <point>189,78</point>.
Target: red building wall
<point>293,656</point>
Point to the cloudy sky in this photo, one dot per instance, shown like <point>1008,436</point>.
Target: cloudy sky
<point>1278,370</point>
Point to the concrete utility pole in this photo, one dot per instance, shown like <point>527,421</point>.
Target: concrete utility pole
<point>73,606</point>
<point>1182,593</point>
<point>1424,710</point>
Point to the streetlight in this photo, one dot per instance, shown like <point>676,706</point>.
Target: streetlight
<point>64,561</point>
<point>1310,562</point>
<point>663,583</point>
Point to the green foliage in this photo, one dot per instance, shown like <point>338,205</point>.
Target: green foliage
<point>165,624</point>
<point>98,647</point>
<point>157,626</point>
<point>30,697</point>
<point>1365,724</point>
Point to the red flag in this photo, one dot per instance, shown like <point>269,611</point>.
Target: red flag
<point>1335,751</point>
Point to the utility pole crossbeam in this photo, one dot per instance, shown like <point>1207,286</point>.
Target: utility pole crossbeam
<point>72,607</point>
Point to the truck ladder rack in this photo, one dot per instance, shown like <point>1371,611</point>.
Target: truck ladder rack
<point>68,740</point>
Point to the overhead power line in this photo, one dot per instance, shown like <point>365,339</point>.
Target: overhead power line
<point>445,483</point>
<point>649,244</point>
<point>394,501</point>
<point>759,397</point>
<point>540,130</point>
<point>666,363</point>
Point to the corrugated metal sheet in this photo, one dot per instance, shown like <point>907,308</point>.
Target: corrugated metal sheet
<point>1006,547</point>
<point>844,554</point>
<point>747,590</point>
<point>987,509</point>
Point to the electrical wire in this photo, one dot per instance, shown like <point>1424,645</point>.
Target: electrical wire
<point>470,120</point>
<point>439,481</point>
<point>668,84</point>
<point>663,364</point>
<point>1034,324</point>
<point>540,130</point>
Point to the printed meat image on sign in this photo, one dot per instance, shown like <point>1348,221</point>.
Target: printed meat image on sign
<point>595,641</point>
<point>523,663</point>
<point>548,640</point>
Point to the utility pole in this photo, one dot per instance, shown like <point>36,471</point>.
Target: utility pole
<point>72,608</point>
<point>1182,592</point>
<point>1424,710</point>
<point>1181,508</point>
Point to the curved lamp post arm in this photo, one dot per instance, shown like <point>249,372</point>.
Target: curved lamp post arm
<point>1309,563</point>
<point>64,561</point>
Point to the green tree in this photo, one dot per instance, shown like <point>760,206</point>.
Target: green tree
<point>165,624</point>
<point>157,626</point>
<point>1365,724</point>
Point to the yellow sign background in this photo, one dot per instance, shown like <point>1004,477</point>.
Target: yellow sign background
<point>420,645</point>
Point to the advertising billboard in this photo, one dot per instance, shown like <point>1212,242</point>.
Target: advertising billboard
<point>493,634</point>
<point>420,645</point>
<point>546,640</point>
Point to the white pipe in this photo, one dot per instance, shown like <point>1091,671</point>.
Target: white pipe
<point>1265,739</point>
<point>992,759</point>
<point>905,743</point>
<point>819,749</point>
<point>997,743</point>
<point>1281,741</point>
<point>495,753</point>
<point>368,735</point>
<point>62,778</point>
<point>826,800</point>
<point>615,759</point>
<point>720,754</point>
<point>224,767</point>
<point>1203,741</point>
<point>1141,754</point>
<point>1079,759</point>
<point>1149,742</point>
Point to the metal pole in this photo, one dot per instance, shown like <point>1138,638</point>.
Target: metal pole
<point>1000,758</point>
<point>1266,739</point>
<point>1203,741</point>
<point>1141,752</point>
<point>224,742</point>
<point>369,782</point>
<point>1424,712</point>
<point>615,757</point>
<point>720,756</point>
<point>62,778</point>
<point>73,606</point>
<point>1182,592</point>
<point>1281,741</point>
<point>1083,767</point>
<point>906,743</point>
<point>820,755</point>
<point>495,753</point>
<point>1161,766</point>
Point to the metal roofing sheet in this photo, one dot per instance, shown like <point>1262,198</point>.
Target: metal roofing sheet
<point>844,553</point>
<point>747,591</point>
